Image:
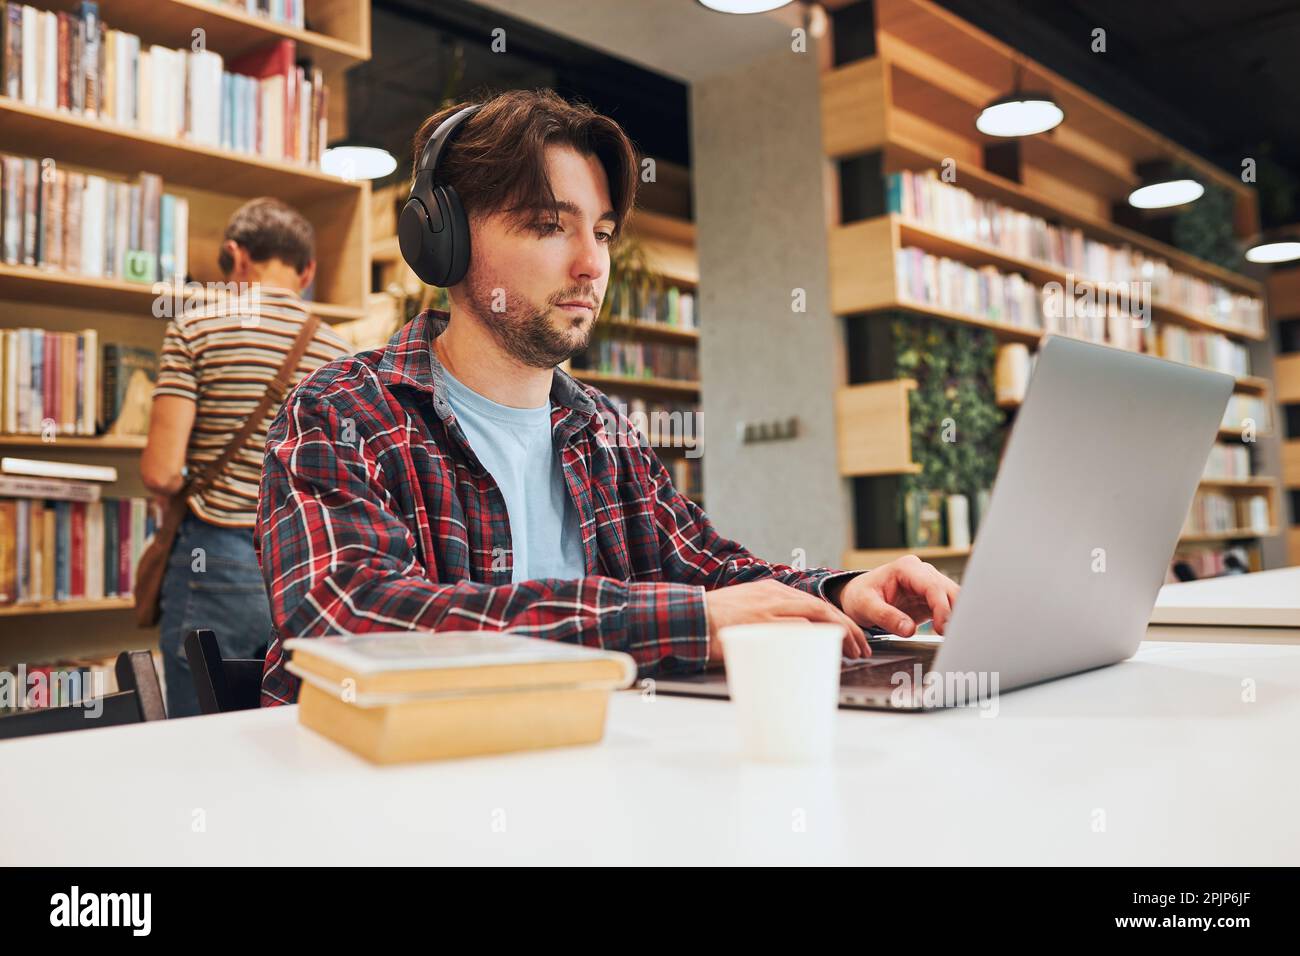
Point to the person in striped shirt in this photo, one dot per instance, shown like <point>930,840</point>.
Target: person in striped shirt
<point>459,479</point>
<point>216,363</point>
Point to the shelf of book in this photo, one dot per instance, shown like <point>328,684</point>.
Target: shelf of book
<point>67,607</point>
<point>864,276</point>
<point>1040,212</point>
<point>339,38</point>
<point>121,149</point>
<point>937,243</point>
<point>124,443</point>
<point>1236,534</point>
<point>864,559</point>
<point>213,181</point>
<point>663,385</point>
<point>656,330</point>
<point>22,283</point>
<point>915,101</point>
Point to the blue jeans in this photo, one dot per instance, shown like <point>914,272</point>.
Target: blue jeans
<point>213,582</point>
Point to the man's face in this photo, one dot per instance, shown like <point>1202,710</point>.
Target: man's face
<point>537,282</point>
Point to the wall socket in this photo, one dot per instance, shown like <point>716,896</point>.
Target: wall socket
<point>773,430</point>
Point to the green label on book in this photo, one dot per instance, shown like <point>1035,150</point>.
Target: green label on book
<point>140,266</point>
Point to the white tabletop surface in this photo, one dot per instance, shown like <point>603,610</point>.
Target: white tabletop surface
<point>1265,598</point>
<point>1158,760</point>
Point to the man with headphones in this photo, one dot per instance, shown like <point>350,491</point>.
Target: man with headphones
<point>457,479</point>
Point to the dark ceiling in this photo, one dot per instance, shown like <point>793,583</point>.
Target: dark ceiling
<point>425,49</point>
<point>1221,77</point>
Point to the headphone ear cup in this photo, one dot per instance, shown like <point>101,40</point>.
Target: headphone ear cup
<point>416,240</point>
<point>453,241</point>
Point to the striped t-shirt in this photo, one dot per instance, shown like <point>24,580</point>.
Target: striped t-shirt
<point>224,357</point>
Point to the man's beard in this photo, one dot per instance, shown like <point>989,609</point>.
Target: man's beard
<point>526,332</point>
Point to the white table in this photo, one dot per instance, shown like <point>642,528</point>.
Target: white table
<point>1262,599</point>
<point>1161,750</point>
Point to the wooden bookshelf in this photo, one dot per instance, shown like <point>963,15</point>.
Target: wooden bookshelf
<point>79,442</point>
<point>911,106</point>
<point>339,36</point>
<point>215,182</point>
<point>864,559</point>
<point>22,283</point>
<point>864,280</point>
<point>916,101</point>
<point>1284,303</point>
<point>67,607</point>
<point>664,386</point>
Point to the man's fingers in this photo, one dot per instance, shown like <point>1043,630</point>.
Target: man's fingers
<point>818,610</point>
<point>937,597</point>
<point>884,614</point>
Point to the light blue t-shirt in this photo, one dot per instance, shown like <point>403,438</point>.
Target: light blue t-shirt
<point>516,447</point>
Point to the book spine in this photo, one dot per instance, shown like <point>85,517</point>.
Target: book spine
<point>90,31</point>
<point>63,54</point>
<point>77,555</point>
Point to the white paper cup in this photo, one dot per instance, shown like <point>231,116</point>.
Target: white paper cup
<point>784,680</point>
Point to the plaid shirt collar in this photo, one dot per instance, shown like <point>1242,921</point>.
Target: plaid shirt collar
<point>408,360</point>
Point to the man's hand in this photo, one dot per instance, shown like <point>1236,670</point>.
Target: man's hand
<point>900,595</point>
<point>760,602</point>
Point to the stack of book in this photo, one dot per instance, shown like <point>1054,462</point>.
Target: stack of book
<point>1244,408</point>
<point>983,293</point>
<point>264,103</point>
<point>420,695</point>
<point>1228,461</point>
<point>62,383</point>
<point>1211,512</point>
<point>640,359</point>
<point>1215,511</point>
<point>60,540</point>
<point>282,11</point>
<point>1205,349</point>
<point>923,198</point>
<point>80,223</point>
<point>649,304</point>
<point>688,476</point>
<point>60,683</point>
<point>661,421</point>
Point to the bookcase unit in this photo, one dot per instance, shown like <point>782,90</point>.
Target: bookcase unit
<point>1284,304</point>
<point>906,103</point>
<point>214,181</point>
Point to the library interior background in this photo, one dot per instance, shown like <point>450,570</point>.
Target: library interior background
<point>835,259</point>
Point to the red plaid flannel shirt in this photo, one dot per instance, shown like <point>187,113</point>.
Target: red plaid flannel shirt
<point>376,515</point>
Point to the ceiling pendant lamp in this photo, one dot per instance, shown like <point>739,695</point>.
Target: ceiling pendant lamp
<point>1274,247</point>
<point>1165,191</point>
<point>1020,112</point>
<point>743,6</point>
<point>353,160</point>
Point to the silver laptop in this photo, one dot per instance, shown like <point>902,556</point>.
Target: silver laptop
<point>1091,495</point>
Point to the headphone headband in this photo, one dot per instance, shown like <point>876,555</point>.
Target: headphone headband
<point>433,149</point>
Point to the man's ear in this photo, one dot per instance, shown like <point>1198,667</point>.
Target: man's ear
<point>307,275</point>
<point>232,259</point>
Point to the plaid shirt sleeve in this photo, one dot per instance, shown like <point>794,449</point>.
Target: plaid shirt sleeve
<point>338,559</point>
<point>693,552</point>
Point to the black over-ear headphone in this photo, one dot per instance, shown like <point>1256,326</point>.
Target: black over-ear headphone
<point>433,232</point>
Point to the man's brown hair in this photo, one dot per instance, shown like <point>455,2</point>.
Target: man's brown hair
<point>268,228</point>
<point>497,162</point>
